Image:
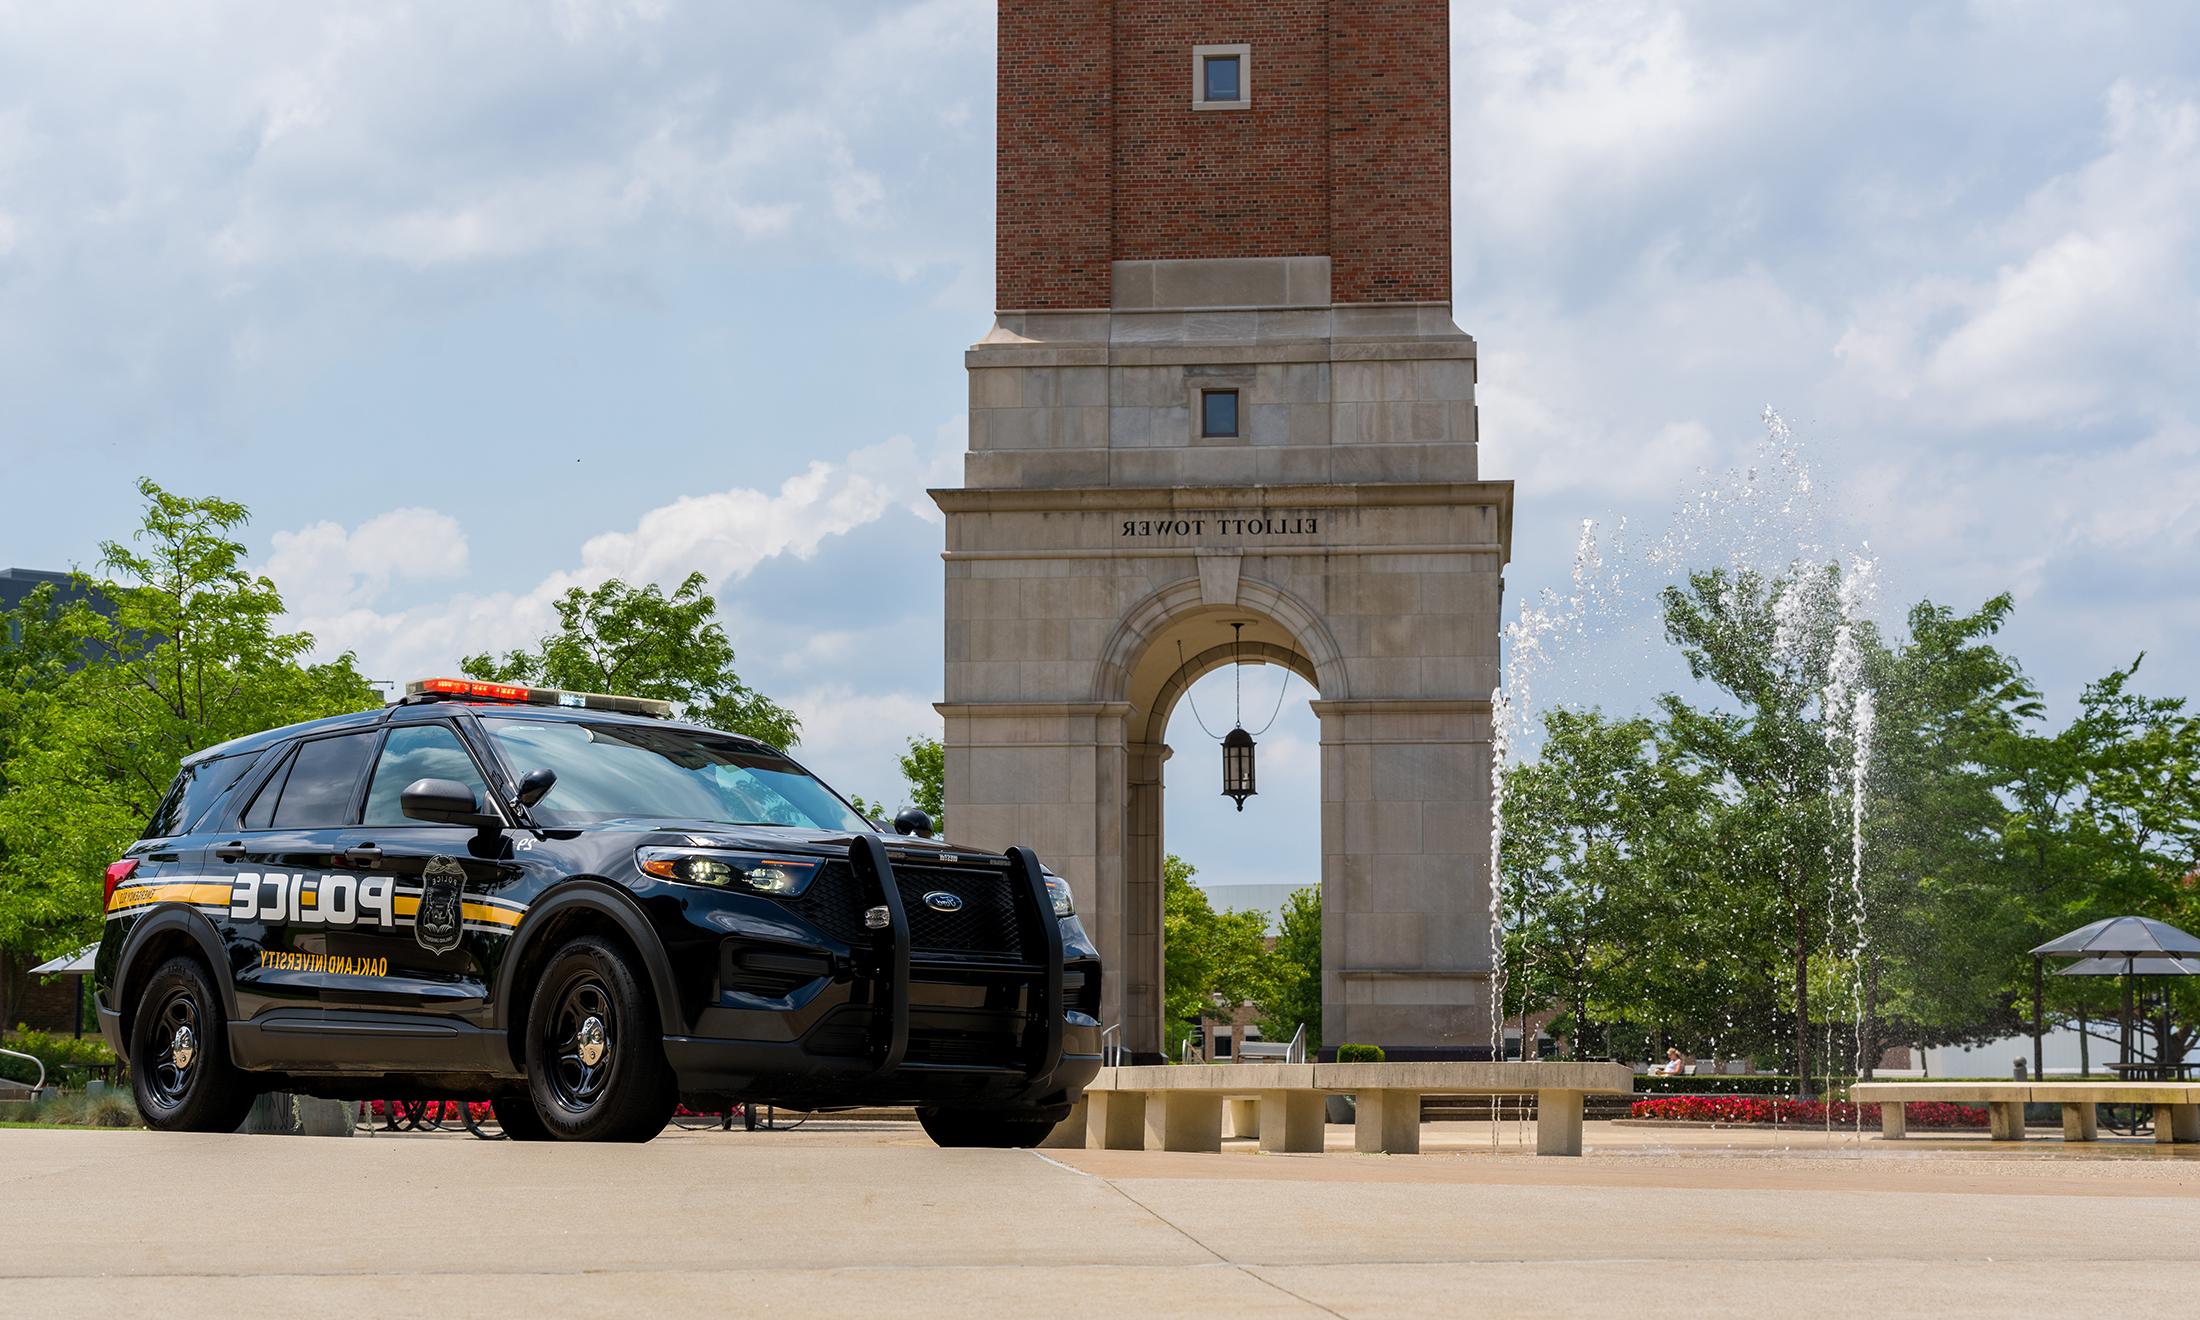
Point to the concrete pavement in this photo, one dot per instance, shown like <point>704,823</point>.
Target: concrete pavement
<point>843,1218</point>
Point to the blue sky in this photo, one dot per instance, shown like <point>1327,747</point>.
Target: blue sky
<point>471,303</point>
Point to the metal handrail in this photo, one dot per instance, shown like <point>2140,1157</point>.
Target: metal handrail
<point>35,1060</point>
<point>1294,1050</point>
<point>1111,1055</point>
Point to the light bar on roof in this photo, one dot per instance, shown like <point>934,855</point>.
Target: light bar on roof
<point>469,689</point>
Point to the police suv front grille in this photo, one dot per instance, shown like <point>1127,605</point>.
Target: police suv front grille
<point>985,923</point>
<point>834,902</point>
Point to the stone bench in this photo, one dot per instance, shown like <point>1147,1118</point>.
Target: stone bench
<point>1181,1108</point>
<point>2177,1104</point>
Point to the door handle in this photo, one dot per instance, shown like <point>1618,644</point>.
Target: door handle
<point>229,852</point>
<point>366,854</point>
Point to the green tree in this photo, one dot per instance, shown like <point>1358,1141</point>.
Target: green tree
<point>1211,961</point>
<point>1294,995</point>
<point>192,655</point>
<point>1600,833</point>
<point>640,642</point>
<point>1769,645</point>
<point>37,647</point>
<point>1945,907</point>
<point>924,770</point>
<point>2106,822</point>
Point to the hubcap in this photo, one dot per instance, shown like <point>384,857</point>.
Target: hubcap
<point>175,1042</point>
<point>579,1043</point>
<point>592,1042</point>
<point>183,1048</point>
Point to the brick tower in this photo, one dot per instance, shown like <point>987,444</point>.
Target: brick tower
<point>1224,386</point>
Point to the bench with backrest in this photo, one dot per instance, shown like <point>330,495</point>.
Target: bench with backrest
<point>2177,1104</point>
<point>1181,1108</point>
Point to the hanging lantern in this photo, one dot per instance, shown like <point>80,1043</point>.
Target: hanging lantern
<point>1237,766</point>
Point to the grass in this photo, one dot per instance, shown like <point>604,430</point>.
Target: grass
<point>74,1109</point>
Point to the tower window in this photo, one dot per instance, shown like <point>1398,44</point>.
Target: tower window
<point>1218,414</point>
<point>1222,77</point>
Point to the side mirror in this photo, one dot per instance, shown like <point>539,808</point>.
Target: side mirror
<point>535,785</point>
<point>445,802</point>
<point>912,820</point>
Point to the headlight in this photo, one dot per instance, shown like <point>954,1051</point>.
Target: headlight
<point>781,877</point>
<point>1058,890</point>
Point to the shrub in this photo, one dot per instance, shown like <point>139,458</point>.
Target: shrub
<point>65,1057</point>
<point>1359,1054</point>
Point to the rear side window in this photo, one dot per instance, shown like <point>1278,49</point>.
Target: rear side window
<point>197,787</point>
<point>417,751</point>
<point>322,783</point>
<point>261,814</point>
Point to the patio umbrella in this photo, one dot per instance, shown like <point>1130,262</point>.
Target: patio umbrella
<point>2124,942</point>
<point>69,964</point>
<point>78,965</point>
<point>2135,966</point>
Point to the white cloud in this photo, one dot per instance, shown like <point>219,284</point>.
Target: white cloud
<point>2093,305</point>
<point>724,535</point>
<point>851,739</point>
<point>1563,112</point>
<point>322,566</point>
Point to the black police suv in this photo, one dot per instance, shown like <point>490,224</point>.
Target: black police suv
<point>582,911</point>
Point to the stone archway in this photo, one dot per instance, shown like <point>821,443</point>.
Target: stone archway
<point>1160,649</point>
<point>1066,652</point>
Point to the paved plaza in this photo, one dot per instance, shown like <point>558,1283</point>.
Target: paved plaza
<point>847,1218</point>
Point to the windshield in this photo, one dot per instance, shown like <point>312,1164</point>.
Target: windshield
<point>611,771</point>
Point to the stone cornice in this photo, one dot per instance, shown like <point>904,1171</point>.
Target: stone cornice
<point>1110,499</point>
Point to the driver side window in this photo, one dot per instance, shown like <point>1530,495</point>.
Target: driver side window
<point>417,751</point>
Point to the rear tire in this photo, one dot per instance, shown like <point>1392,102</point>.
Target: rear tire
<point>596,1067</point>
<point>180,1072</point>
<point>994,1128</point>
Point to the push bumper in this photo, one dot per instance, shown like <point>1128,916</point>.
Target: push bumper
<point>923,1031</point>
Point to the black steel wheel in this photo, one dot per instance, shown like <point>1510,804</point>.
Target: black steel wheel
<point>583,1040</point>
<point>995,1128</point>
<point>181,1075</point>
<point>596,1066</point>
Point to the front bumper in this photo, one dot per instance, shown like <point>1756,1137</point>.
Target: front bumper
<point>895,1025</point>
<point>787,1073</point>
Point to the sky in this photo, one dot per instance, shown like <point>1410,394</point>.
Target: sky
<point>471,304</point>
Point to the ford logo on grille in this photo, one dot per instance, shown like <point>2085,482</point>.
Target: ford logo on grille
<point>939,900</point>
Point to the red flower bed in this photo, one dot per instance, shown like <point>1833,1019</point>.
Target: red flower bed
<point>1769,1110</point>
<point>441,1110</point>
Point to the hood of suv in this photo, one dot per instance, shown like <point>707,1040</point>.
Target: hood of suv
<point>784,838</point>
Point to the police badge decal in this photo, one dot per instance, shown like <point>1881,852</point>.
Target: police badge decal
<point>442,906</point>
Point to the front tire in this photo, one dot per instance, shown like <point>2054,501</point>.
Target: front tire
<point>596,1067</point>
<point>180,1072</point>
<point>515,1113</point>
<point>996,1129</point>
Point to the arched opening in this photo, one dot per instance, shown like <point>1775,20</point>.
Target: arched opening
<point>1182,687</point>
<point>1249,858</point>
